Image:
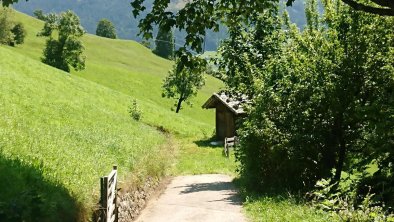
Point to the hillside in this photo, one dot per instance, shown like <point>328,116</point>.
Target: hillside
<point>119,12</point>
<point>130,68</point>
<point>60,132</point>
<point>57,124</point>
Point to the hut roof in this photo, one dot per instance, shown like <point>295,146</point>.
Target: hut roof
<point>234,102</point>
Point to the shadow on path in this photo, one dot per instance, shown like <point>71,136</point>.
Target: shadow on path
<point>232,197</point>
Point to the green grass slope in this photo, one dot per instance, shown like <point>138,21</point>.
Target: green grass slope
<point>130,68</point>
<point>60,132</point>
<point>71,130</point>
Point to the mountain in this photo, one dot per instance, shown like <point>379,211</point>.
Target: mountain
<point>119,13</point>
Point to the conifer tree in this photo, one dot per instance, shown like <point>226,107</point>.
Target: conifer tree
<point>164,44</point>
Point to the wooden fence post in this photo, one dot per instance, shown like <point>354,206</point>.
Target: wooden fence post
<point>108,196</point>
<point>228,143</point>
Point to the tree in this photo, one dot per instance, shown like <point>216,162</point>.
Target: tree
<point>199,16</point>
<point>6,3</point>
<point>183,82</point>
<point>247,49</point>
<point>10,33</point>
<point>106,29</point>
<point>385,7</point>
<point>66,50</point>
<point>321,104</point>
<point>378,7</point>
<point>19,33</point>
<point>39,14</point>
<point>164,43</point>
<point>5,26</point>
<point>196,18</point>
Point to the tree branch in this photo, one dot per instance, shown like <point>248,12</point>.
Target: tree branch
<point>384,3</point>
<point>374,10</point>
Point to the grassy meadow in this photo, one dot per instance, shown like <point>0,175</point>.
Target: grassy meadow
<point>64,131</point>
<point>60,132</point>
<point>58,124</point>
<point>132,69</point>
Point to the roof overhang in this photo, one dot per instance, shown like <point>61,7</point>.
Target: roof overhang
<point>235,105</point>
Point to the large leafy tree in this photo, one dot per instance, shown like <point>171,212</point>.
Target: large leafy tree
<point>323,102</point>
<point>106,29</point>
<point>63,49</point>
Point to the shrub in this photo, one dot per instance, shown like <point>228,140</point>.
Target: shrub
<point>346,204</point>
<point>135,111</point>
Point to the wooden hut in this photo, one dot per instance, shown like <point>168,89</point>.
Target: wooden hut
<point>228,110</point>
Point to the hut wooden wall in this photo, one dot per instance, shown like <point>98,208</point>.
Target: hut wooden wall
<point>225,122</point>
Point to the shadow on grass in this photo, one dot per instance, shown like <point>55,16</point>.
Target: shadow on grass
<point>209,143</point>
<point>232,196</point>
<point>274,194</point>
<point>25,195</point>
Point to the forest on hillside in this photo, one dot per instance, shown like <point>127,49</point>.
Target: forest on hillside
<point>119,13</point>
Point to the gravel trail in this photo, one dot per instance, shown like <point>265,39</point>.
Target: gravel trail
<point>207,197</point>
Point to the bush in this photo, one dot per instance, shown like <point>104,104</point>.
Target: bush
<point>19,33</point>
<point>346,204</point>
<point>134,110</point>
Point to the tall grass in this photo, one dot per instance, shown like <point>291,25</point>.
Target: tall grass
<point>283,208</point>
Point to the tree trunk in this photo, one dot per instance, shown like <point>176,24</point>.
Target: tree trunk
<point>342,150</point>
<point>178,107</point>
<point>341,160</point>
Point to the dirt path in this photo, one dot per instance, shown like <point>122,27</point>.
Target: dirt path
<point>208,197</point>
